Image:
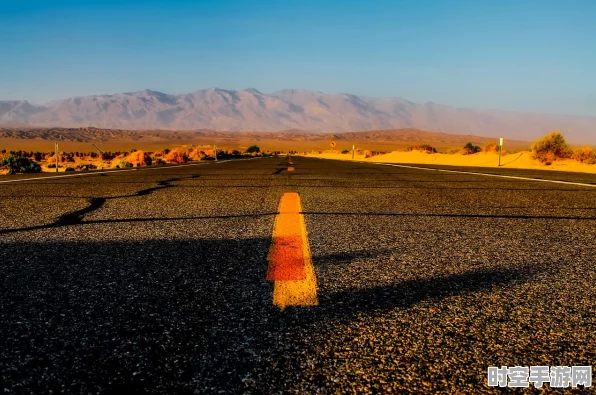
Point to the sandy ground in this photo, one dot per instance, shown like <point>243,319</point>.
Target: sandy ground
<point>149,143</point>
<point>520,160</point>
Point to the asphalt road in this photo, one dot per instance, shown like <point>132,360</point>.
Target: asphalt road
<point>153,281</point>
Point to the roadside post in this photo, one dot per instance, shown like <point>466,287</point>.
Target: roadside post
<point>56,157</point>
<point>215,151</point>
<point>353,149</point>
<point>500,150</point>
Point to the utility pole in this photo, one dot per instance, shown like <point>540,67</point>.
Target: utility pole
<point>500,150</point>
<point>56,157</point>
<point>215,151</point>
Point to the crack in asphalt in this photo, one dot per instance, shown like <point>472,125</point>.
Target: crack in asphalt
<point>76,217</point>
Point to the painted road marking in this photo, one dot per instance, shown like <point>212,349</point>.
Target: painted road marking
<point>290,264</point>
<point>489,175</point>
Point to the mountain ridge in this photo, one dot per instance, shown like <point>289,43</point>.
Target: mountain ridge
<point>300,109</point>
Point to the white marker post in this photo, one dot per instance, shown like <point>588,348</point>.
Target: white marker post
<point>215,151</point>
<point>353,149</point>
<point>56,157</point>
<point>500,150</point>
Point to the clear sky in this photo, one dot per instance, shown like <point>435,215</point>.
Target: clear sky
<point>524,55</point>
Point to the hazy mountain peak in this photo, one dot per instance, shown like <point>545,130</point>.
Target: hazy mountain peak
<point>288,109</point>
<point>253,91</point>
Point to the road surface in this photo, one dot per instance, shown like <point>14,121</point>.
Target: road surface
<point>154,281</point>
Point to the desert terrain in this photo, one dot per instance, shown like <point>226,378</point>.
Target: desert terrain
<point>80,139</point>
<point>519,160</point>
<point>80,147</point>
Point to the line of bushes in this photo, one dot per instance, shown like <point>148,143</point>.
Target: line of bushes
<point>553,147</point>
<point>422,148</point>
<point>29,161</point>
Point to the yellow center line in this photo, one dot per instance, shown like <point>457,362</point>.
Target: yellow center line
<point>290,264</point>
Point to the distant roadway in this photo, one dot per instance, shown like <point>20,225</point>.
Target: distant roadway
<point>156,280</point>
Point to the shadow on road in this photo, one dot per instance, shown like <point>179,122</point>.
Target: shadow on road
<point>172,316</point>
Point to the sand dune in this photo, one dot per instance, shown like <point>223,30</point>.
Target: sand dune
<point>520,160</point>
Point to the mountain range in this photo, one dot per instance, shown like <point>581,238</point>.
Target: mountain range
<point>251,110</point>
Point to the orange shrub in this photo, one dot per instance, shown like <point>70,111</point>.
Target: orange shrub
<point>548,158</point>
<point>585,155</point>
<point>139,158</point>
<point>196,154</point>
<point>550,148</point>
<point>491,146</point>
<point>177,155</point>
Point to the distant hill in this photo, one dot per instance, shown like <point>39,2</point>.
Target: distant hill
<point>291,139</point>
<point>249,109</point>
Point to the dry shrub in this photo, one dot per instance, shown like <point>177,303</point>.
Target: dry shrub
<point>139,158</point>
<point>62,158</point>
<point>422,148</point>
<point>368,154</point>
<point>550,148</point>
<point>585,155</point>
<point>196,154</point>
<point>177,155</point>
<point>491,146</point>
<point>548,158</point>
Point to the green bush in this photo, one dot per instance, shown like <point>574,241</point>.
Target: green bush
<point>551,147</point>
<point>470,149</point>
<point>19,164</point>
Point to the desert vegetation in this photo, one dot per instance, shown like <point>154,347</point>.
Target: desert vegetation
<point>13,163</point>
<point>585,155</point>
<point>491,146</point>
<point>253,148</point>
<point>550,148</point>
<point>470,149</point>
<point>35,161</point>
<point>553,147</point>
<point>422,148</point>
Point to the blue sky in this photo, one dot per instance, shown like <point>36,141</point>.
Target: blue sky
<point>521,55</point>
